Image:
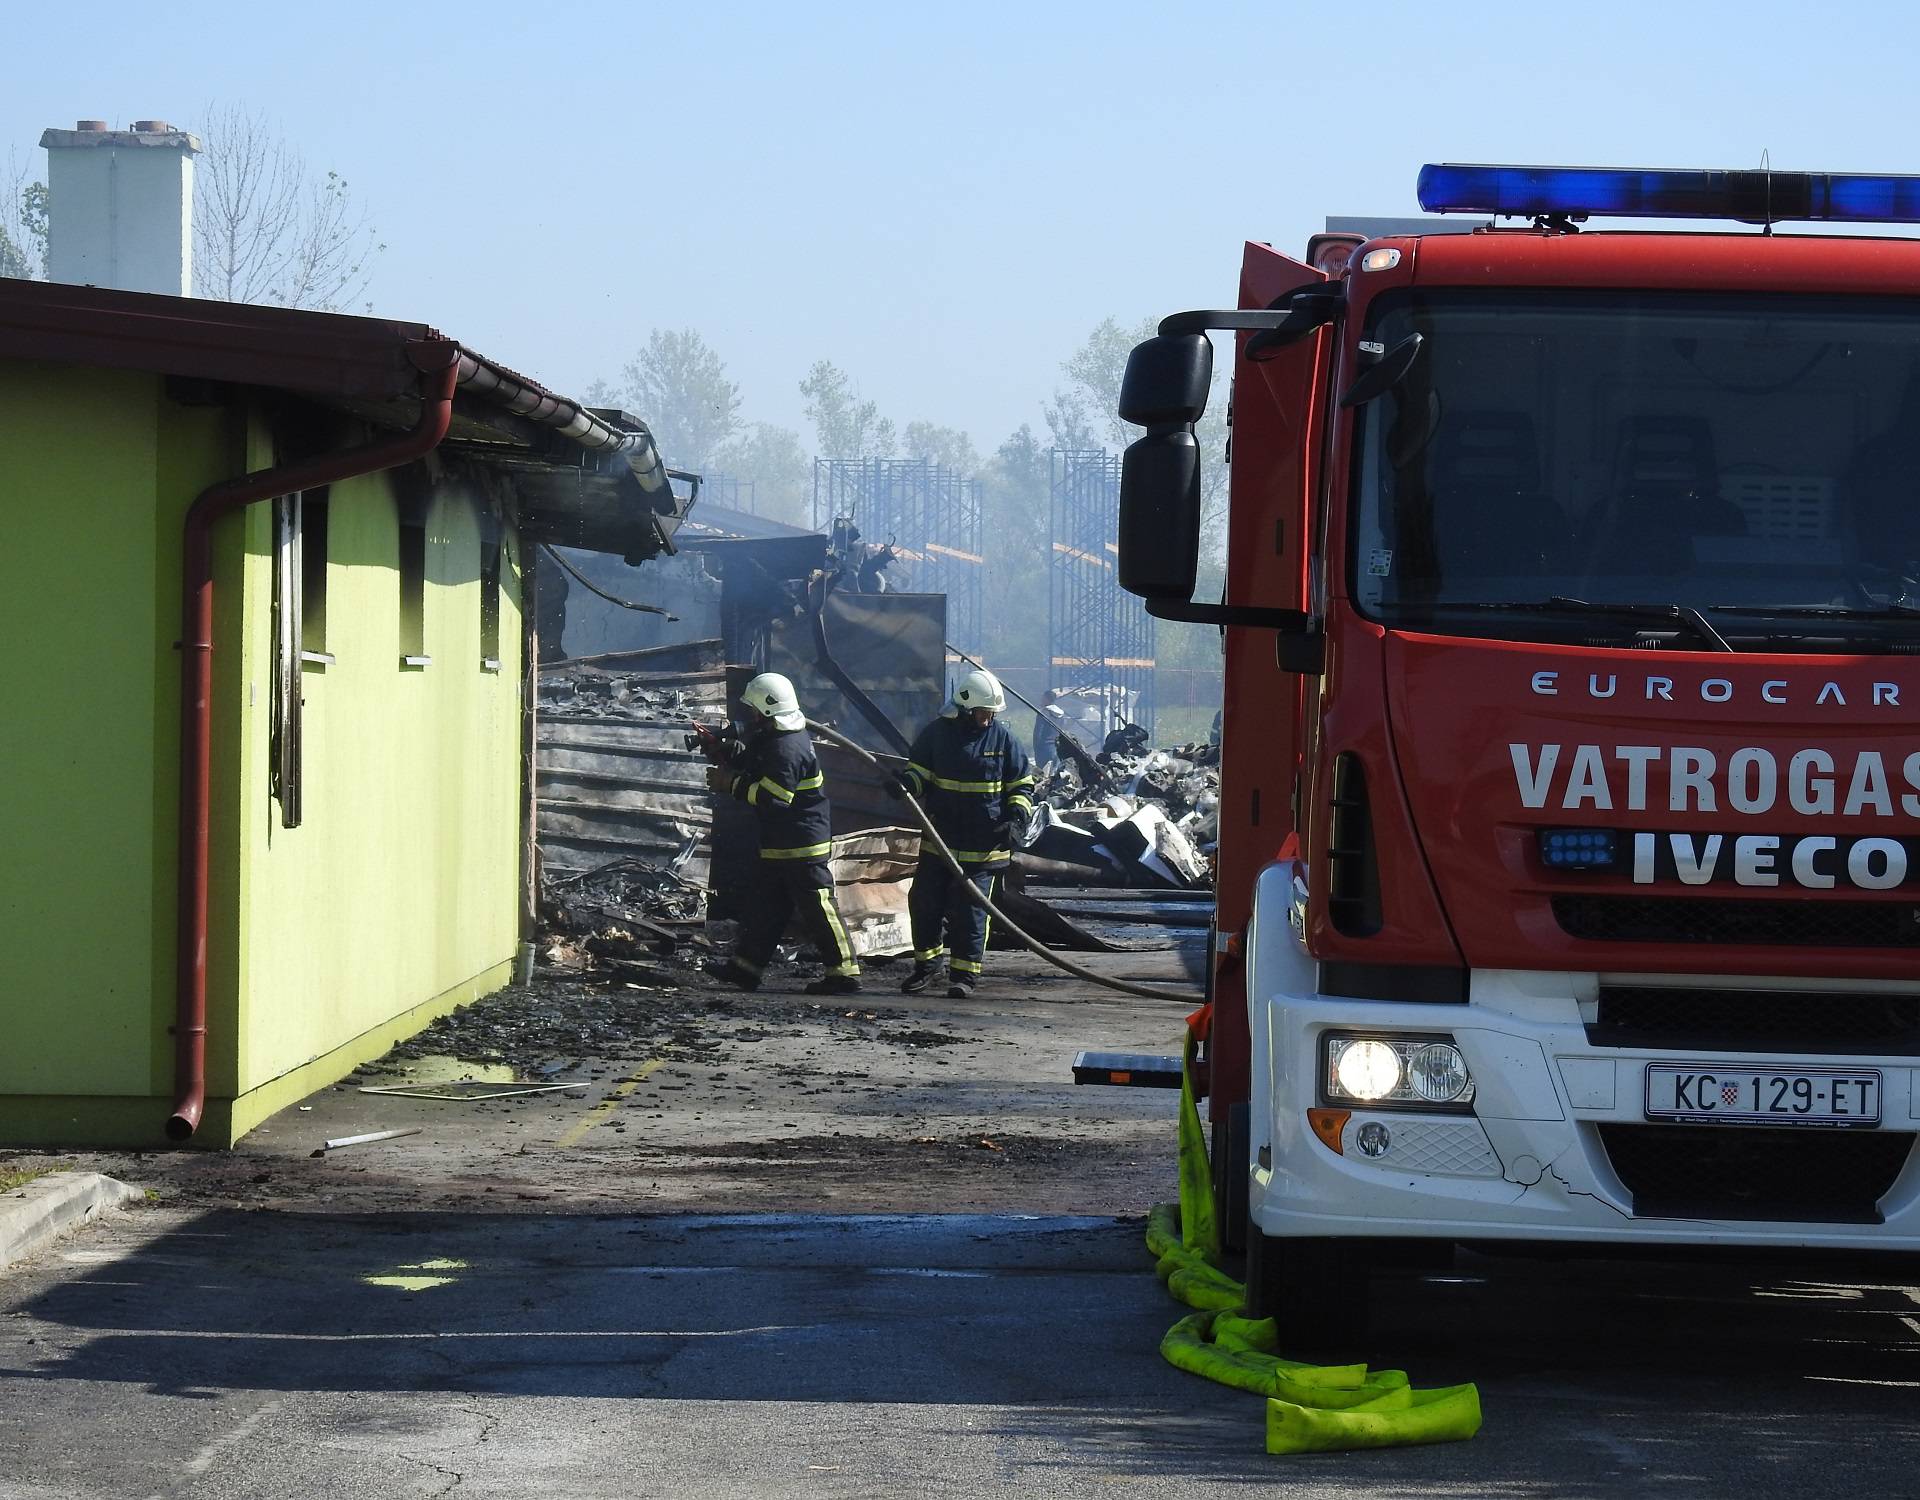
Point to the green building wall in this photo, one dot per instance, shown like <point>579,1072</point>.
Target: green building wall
<point>392,902</point>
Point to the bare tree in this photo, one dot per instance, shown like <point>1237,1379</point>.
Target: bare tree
<point>266,229</point>
<point>330,261</point>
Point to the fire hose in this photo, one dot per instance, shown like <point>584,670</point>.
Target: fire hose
<point>980,899</point>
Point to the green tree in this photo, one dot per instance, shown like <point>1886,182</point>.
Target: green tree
<point>13,260</point>
<point>781,470</point>
<point>845,426</point>
<point>947,446</point>
<point>1095,370</point>
<point>1087,414</point>
<point>1017,531</point>
<point>23,223</point>
<point>678,386</point>
<point>1069,423</point>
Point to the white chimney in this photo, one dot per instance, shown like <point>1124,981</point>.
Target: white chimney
<point>120,206</point>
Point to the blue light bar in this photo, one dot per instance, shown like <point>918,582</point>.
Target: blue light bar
<point>1751,197</point>
<point>1578,848</point>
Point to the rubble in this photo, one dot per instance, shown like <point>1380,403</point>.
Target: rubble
<point>591,693</point>
<point>637,858</point>
<point>654,900</point>
<point>1151,819</point>
<point>547,1027</point>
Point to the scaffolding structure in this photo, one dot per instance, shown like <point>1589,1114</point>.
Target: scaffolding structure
<point>1101,637</point>
<point>731,491</point>
<point>930,515</point>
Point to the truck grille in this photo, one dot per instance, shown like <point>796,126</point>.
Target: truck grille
<point>1683,919</point>
<point>1720,1020</point>
<point>1734,1172</point>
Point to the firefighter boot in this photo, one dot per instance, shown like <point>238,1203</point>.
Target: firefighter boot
<point>835,984</point>
<point>960,985</point>
<point>738,973</point>
<point>925,971</point>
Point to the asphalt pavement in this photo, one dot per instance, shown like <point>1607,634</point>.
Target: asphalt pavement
<point>246,1354</point>
<point>536,1298</point>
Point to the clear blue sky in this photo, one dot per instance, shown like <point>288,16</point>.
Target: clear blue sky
<point>941,199</point>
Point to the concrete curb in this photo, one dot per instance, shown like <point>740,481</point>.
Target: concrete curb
<point>34,1216</point>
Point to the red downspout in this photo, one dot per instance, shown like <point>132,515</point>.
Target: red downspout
<point>439,361</point>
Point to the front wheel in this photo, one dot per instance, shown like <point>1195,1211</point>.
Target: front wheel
<point>1318,1293</point>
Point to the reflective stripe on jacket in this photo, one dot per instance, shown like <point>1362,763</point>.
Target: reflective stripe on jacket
<point>779,778</point>
<point>972,781</point>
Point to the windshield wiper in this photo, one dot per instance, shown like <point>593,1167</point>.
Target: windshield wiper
<point>1679,614</point>
<point>1893,609</point>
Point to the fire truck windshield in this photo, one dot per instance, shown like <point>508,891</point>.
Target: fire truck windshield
<point>1754,459</point>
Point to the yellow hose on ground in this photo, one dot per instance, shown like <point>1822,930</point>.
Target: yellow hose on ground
<point>1310,1408</point>
<point>1125,987</point>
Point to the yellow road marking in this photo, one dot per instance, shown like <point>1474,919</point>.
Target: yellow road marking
<point>599,1113</point>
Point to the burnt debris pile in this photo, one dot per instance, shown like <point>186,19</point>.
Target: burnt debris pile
<point>1133,816</point>
<point>624,818</point>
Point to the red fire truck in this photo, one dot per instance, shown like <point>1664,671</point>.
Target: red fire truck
<point>1569,862</point>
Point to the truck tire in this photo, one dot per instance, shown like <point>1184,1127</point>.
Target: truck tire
<point>1231,1162</point>
<point>1316,1291</point>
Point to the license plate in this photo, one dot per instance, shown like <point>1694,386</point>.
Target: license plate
<point>1732,1094</point>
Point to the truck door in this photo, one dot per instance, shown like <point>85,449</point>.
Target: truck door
<point>1277,440</point>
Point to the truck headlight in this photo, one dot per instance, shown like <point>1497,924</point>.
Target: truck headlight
<point>1366,1070</point>
<point>1396,1072</point>
<point>1438,1073</point>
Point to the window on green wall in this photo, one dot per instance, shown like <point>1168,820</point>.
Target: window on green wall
<point>490,606</point>
<point>413,595</point>
<point>310,527</point>
<point>284,719</point>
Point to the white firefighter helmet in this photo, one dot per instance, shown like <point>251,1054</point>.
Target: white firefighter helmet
<point>772,697</point>
<point>979,689</point>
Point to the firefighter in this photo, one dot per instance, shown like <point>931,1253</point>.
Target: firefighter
<point>1047,725</point>
<point>776,773</point>
<point>976,783</point>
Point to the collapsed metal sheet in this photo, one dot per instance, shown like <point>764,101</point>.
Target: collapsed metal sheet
<point>614,778</point>
<point>893,645</point>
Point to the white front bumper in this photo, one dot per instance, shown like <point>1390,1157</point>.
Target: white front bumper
<point>1528,1163</point>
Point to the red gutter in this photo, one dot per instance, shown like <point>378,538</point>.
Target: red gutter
<point>439,361</point>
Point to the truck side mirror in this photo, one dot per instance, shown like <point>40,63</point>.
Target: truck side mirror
<point>1167,381</point>
<point>1160,515</point>
<point>1165,391</point>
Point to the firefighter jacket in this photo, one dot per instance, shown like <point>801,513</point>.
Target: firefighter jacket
<point>973,783</point>
<point>778,776</point>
